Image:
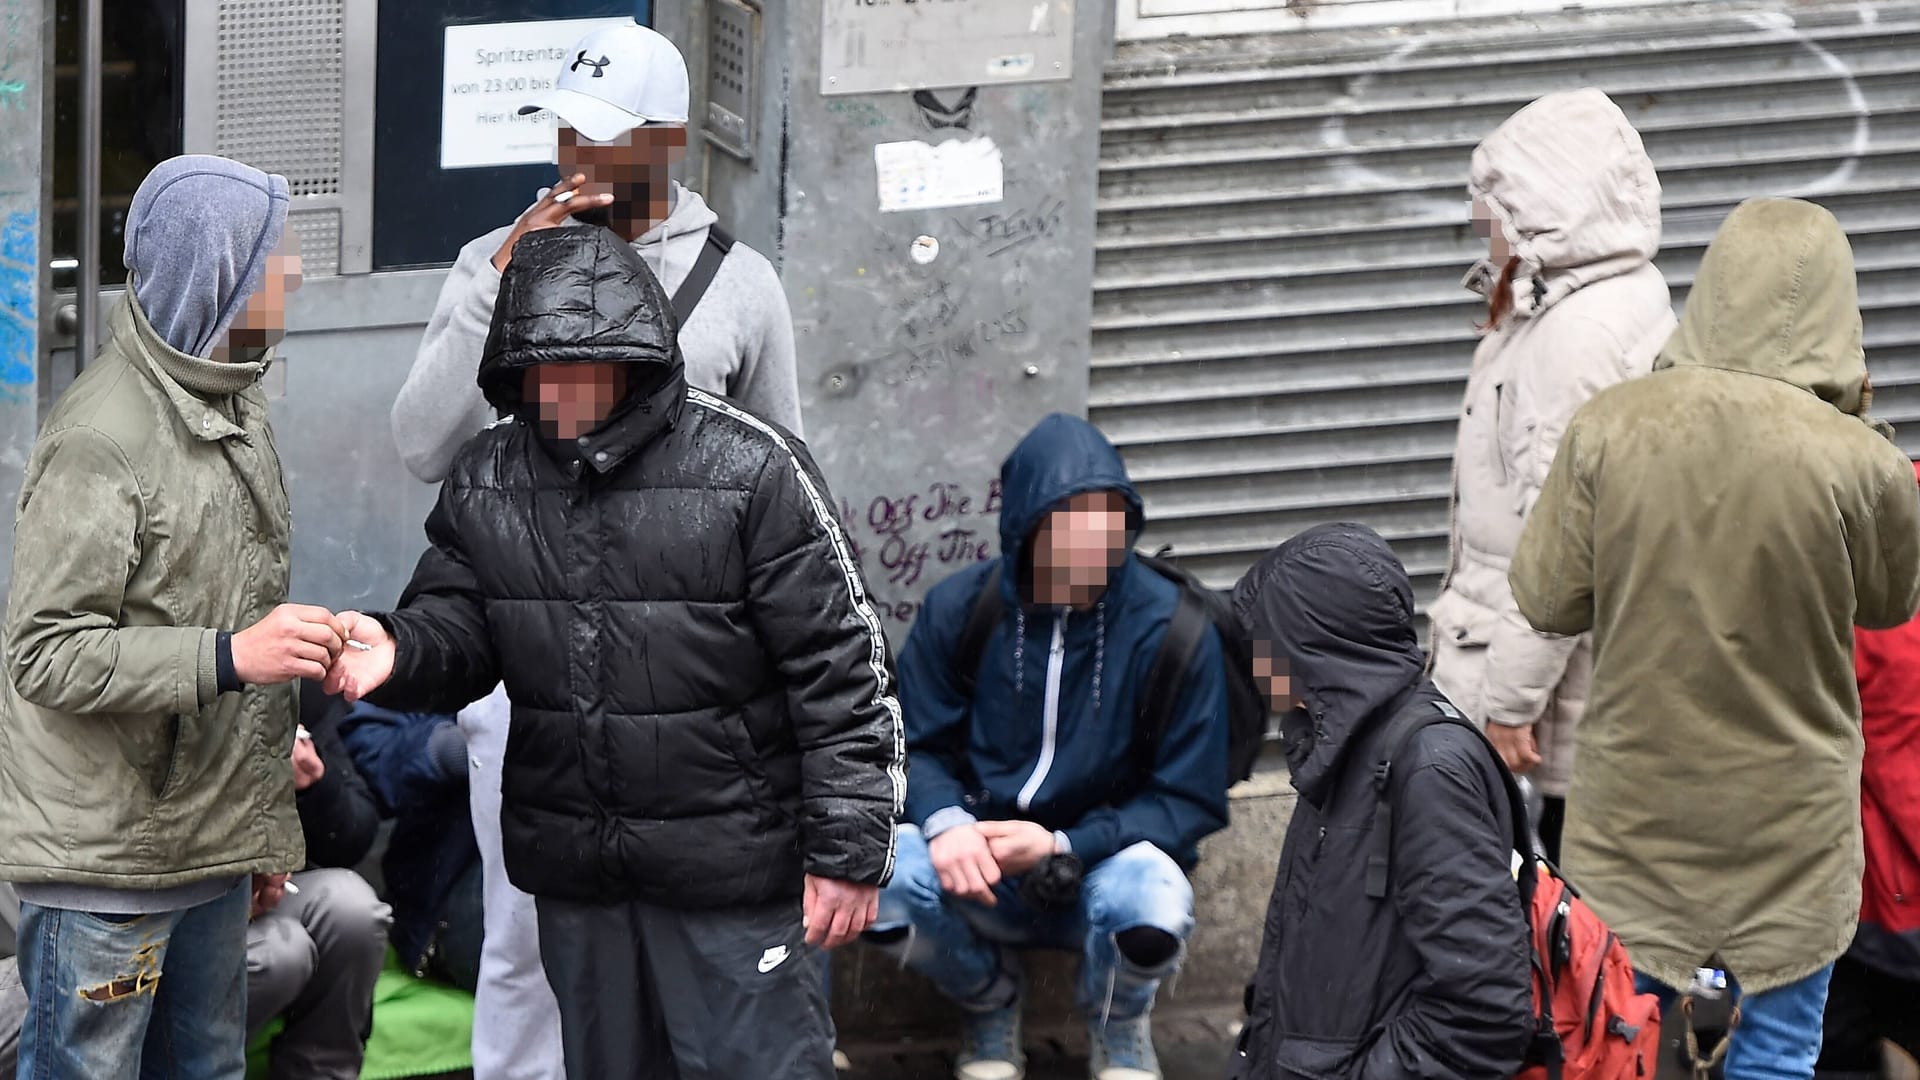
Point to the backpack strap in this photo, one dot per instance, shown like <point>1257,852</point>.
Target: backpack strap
<point>712,254</point>
<point>988,607</point>
<point>1400,732</point>
<point>1179,648</point>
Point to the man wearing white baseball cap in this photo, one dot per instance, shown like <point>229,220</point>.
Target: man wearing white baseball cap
<point>620,99</point>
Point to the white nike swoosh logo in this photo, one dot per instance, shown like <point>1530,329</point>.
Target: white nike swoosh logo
<point>772,958</point>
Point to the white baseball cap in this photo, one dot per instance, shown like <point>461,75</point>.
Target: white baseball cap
<point>616,79</point>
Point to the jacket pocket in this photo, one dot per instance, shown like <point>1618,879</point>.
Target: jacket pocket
<point>1316,1059</point>
<point>179,736</point>
<point>752,767</point>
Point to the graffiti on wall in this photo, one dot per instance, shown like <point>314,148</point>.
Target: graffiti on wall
<point>908,541</point>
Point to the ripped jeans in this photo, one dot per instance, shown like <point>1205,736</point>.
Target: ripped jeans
<point>964,948</point>
<point>158,997</point>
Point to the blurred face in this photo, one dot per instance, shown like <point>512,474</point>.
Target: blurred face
<point>262,323</point>
<point>573,399</point>
<point>1270,672</point>
<point>1077,547</point>
<point>1488,228</point>
<point>632,166</point>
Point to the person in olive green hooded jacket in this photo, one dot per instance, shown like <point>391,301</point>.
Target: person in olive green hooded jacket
<point>144,750</point>
<point>1721,526</point>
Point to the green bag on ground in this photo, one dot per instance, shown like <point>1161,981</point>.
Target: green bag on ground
<point>420,1028</point>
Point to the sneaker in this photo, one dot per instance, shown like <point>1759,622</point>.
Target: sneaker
<point>991,1050</point>
<point>1123,1050</point>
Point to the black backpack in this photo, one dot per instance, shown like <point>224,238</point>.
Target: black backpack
<point>1199,607</point>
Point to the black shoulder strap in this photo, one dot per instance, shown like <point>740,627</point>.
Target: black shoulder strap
<point>988,606</point>
<point>1161,694</point>
<point>712,254</point>
<point>1401,731</point>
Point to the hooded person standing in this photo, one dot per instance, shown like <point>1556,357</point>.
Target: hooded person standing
<point>1426,975</point>
<point>1720,527</point>
<point>706,761</point>
<point>1567,199</point>
<point>149,709</point>
<point>621,98</point>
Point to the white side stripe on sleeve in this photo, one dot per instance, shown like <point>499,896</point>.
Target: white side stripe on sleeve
<point>856,592</point>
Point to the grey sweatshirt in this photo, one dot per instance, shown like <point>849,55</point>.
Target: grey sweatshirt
<point>738,341</point>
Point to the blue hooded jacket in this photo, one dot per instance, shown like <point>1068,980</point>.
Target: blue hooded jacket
<point>1058,750</point>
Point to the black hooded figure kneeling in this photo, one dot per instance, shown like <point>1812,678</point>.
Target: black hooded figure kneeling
<point>1395,944</point>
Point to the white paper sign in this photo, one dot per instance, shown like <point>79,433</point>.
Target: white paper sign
<point>917,176</point>
<point>491,69</point>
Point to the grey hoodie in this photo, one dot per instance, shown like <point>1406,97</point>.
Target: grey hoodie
<point>199,231</point>
<point>738,341</point>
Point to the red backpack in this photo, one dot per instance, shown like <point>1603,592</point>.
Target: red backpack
<point>1589,1023</point>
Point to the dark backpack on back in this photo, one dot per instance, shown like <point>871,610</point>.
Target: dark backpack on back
<point>1199,607</point>
<point>1590,1022</point>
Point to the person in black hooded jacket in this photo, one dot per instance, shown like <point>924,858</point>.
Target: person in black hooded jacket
<point>705,761</point>
<point>1431,979</point>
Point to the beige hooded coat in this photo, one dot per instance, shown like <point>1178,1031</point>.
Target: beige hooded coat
<point>1721,526</point>
<point>1570,183</point>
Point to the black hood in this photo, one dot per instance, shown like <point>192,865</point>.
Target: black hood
<point>579,295</point>
<point>1335,602</point>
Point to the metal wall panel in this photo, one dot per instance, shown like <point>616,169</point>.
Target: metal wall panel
<point>1280,337</point>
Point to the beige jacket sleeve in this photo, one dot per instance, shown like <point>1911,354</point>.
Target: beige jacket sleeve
<point>76,544</point>
<point>1524,666</point>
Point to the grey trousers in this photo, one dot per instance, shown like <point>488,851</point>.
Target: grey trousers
<point>651,993</point>
<point>313,961</point>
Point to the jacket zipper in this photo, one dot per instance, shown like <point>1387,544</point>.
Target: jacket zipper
<point>1056,658</point>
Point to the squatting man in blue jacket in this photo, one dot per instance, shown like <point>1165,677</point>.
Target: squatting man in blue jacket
<point>1025,775</point>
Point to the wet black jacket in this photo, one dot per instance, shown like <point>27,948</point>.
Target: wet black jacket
<point>1431,981</point>
<point>702,696</point>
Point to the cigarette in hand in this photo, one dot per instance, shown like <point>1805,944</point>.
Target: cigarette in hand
<point>565,196</point>
<point>359,645</point>
<point>300,732</point>
<point>290,888</point>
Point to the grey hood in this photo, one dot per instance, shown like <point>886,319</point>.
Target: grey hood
<point>198,236</point>
<point>1572,183</point>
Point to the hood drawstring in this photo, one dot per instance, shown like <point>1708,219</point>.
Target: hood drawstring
<point>1099,652</point>
<point>1019,652</point>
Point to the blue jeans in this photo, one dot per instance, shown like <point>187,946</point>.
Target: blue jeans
<point>1780,1029</point>
<point>158,997</point>
<point>960,946</point>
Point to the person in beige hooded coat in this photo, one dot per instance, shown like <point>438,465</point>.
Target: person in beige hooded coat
<point>1568,199</point>
<point>1721,526</point>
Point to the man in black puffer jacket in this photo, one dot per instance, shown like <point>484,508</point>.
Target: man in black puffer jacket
<point>1421,973</point>
<point>703,711</point>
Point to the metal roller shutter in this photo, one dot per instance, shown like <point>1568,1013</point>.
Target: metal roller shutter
<point>1279,332</point>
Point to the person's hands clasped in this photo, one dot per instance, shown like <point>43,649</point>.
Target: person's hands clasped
<point>294,641</point>
<point>836,912</point>
<point>555,208</point>
<point>1017,846</point>
<point>1516,747</point>
<point>965,864</point>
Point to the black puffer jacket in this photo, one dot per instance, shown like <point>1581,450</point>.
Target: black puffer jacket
<point>702,696</point>
<point>1431,981</point>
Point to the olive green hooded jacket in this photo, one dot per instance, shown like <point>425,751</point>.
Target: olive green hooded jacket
<point>152,515</point>
<point>1721,526</point>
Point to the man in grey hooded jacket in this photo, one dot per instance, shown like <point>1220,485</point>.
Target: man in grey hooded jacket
<point>621,97</point>
<point>144,749</point>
